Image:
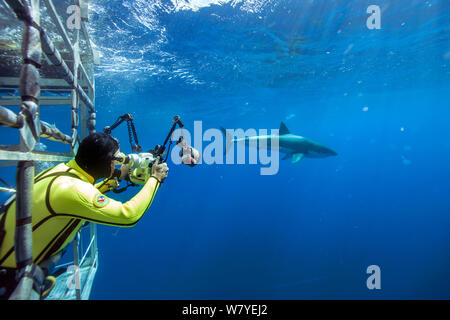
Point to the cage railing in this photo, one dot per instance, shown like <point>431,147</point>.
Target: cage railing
<point>31,128</point>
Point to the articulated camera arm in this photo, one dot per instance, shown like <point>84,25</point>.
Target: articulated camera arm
<point>135,147</point>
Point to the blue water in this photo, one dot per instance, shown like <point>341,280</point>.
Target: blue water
<point>377,97</point>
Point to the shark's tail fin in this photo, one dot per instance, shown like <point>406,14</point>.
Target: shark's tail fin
<point>228,139</point>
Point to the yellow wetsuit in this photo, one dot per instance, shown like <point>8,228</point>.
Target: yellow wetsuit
<point>63,198</point>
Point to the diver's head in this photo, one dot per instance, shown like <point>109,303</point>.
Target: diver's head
<point>96,155</point>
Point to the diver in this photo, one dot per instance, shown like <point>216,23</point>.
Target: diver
<point>67,196</point>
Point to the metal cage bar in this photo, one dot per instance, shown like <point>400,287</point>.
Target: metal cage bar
<point>30,127</point>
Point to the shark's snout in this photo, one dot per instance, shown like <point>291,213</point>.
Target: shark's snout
<point>328,152</point>
<point>320,152</point>
<point>332,153</point>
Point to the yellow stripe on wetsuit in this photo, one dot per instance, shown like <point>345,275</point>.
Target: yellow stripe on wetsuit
<point>60,205</point>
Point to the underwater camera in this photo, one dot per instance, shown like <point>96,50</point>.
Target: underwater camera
<point>140,163</point>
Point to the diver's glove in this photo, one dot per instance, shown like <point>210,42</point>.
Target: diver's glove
<point>124,173</point>
<point>159,170</point>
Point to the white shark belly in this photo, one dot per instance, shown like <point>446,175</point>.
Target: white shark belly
<point>285,150</point>
<point>313,154</point>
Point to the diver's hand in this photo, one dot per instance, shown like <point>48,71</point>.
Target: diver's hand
<point>124,173</point>
<point>159,170</point>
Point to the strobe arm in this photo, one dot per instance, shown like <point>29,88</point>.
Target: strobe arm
<point>125,117</point>
<point>176,121</point>
<point>135,147</point>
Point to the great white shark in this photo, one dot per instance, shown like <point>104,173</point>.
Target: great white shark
<point>295,147</point>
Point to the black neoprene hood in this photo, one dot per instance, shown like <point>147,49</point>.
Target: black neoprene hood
<point>95,154</point>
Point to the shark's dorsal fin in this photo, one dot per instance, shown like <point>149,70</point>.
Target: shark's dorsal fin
<point>283,129</point>
<point>296,157</point>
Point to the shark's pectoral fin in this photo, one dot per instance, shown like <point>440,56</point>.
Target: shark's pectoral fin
<point>287,156</point>
<point>296,157</point>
